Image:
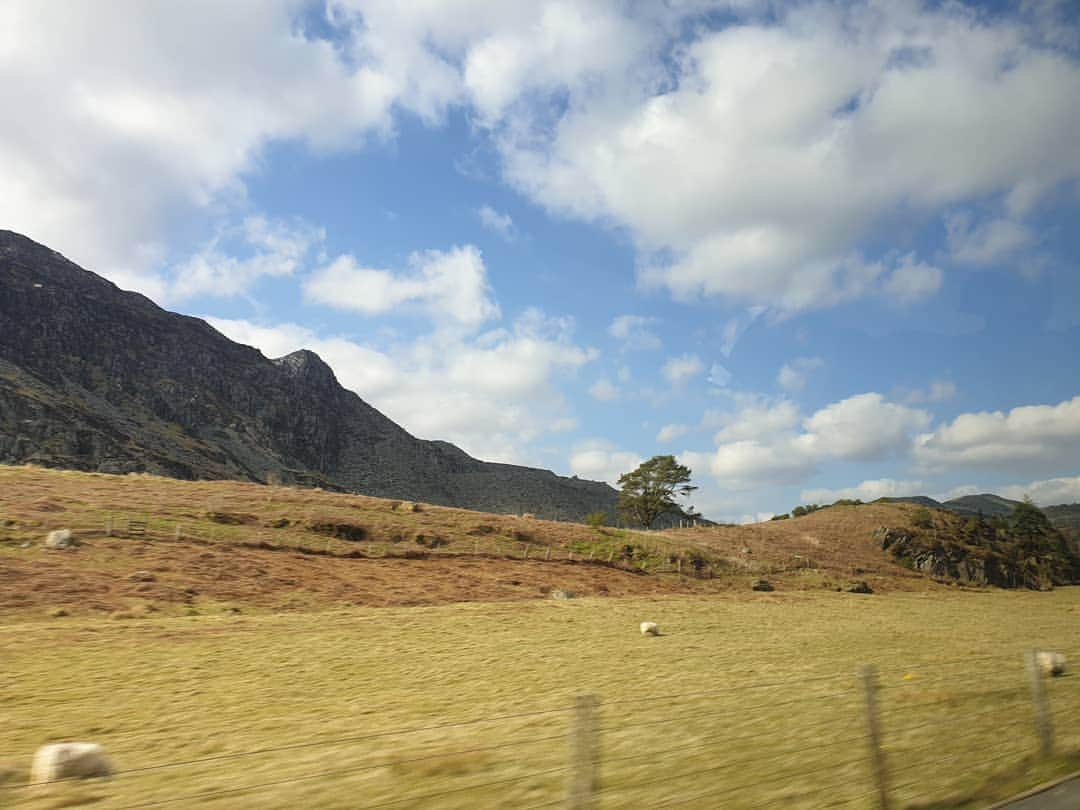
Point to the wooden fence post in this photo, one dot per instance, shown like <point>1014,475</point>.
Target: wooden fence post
<point>525,553</point>
<point>178,532</point>
<point>1043,725</point>
<point>547,556</point>
<point>108,526</point>
<point>583,754</point>
<point>868,676</point>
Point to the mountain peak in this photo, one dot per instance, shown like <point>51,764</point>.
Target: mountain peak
<point>306,366</point>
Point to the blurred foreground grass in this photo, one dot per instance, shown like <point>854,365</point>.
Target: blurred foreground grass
<point>742,702</point>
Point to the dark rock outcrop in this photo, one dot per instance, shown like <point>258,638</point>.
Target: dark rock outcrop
<point>96,378</point>
<point>1004,562</point>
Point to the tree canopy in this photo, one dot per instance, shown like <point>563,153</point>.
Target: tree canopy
<point>652,489</point>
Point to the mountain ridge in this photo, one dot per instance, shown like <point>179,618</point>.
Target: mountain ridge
<point>1062,516</point>
<point>96,378</point>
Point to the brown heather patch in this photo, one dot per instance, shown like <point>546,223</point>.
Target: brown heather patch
<point>273,547</point>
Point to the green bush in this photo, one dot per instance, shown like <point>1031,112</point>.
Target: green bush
<point>922,519</point>
<point>596,519</point>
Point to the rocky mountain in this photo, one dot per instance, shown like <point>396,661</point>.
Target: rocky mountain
<point>96,378</point>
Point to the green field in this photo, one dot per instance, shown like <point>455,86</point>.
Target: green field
<point>747,701</point>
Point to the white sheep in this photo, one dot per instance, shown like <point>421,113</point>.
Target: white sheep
<point>649,629</point>
<point>1050,663</point>
<point>72,760</point>
<point>60,538</point>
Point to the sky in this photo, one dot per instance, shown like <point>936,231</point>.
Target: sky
<point>815,250</point>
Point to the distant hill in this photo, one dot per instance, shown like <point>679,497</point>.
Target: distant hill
<point>1062,516</point>
<point>98,379</point>
<point>987,504</point>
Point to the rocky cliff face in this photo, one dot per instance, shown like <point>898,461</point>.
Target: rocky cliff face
<point>95,378</point>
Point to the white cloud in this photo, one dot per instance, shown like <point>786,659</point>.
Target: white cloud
<point>862,428</point>
<point>866,491</point>
<point>501,224</point>
<point>748,162</point>
<point>449,285</point>
<point>719,376</point>
<point>773,147</point>
<point>1045,493</point>
<point>792,376</point>
<point>937,391</point>
<point>669,432</point>
<point>989,242</point>
<point>601,461</point>
<point>1034,437</point>
<point>604,390</point>
<point>912,280</point>
<point>678,370</point>
<point>756,422</point>
<point>157,117</point>
<point>635,332</point>
<point>768,443</point>
<point>276,249</point>
<point>493,394</point>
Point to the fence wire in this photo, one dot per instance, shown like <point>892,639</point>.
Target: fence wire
<point>909,722</point>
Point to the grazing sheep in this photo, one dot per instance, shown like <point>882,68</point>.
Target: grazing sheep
<point>1050,663</point>
<point>60,538</point>
<point>649,629</point>
<point>69,761</point>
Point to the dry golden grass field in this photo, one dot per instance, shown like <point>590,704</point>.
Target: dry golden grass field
<point>269,676</point>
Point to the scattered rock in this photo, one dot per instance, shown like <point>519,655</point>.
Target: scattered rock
<point>142,576</point>
<point>407,506</point>
<point>559,593</point>
<point>762,585</point>
<point>859,587</point>
<point>60,538</point>
<point>27,544</point>
<point>280,523</point>
<point>58,613</point>
<point>650,629</point>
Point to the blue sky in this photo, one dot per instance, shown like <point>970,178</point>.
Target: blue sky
<point>816,250</point>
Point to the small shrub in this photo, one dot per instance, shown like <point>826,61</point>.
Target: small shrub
<point>784,516</point>
<point>231,518</point>
<point>596,519</point>
<point>342,531</point>
<point>429,541</point>
<point>922,519</point>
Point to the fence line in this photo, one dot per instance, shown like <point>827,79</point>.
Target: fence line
<point>607,552</point>
<point>1024,743</point>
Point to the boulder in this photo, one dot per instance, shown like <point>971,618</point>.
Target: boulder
<point>762,585</point>
<point>70,760</point>
<point>859,587</point>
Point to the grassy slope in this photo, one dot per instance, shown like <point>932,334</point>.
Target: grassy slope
<point>686,713</point>
<point>238,541</point>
